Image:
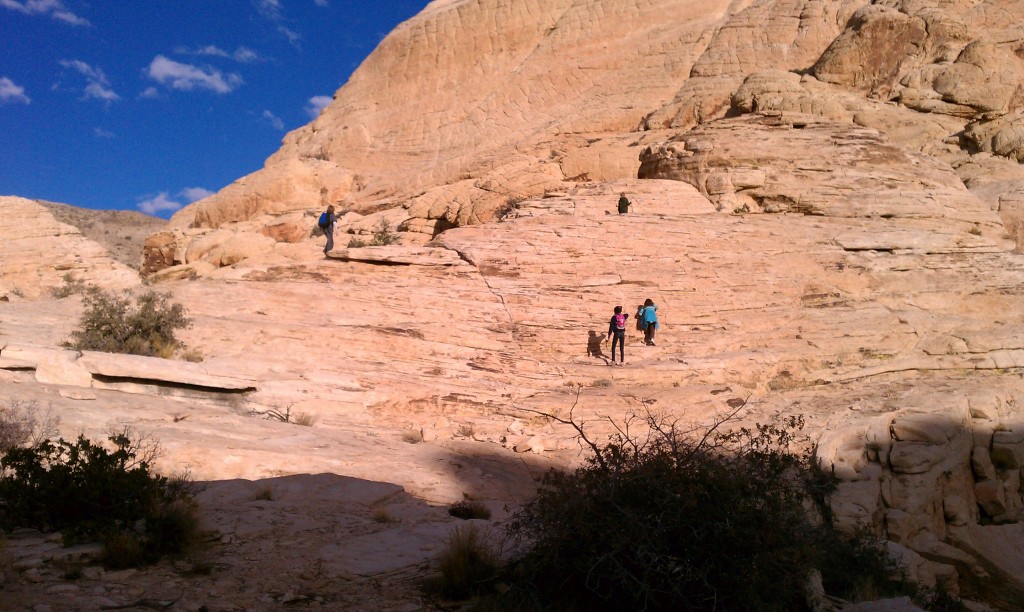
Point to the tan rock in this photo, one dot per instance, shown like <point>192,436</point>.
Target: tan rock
<point>40,254</point>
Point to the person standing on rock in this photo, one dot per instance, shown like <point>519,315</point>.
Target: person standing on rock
<point>327,221</point>
<point>650,318</point>
<point>617,331</point>
<point>623,203</point>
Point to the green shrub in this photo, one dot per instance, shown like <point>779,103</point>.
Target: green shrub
<point>382,234</point>
<point>113,324</point>
<point>90,493</point>
<point>680,520</point>
<point>356,243</point>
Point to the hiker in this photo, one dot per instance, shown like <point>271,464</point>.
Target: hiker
<point>623,203</point>
<point>650,321</point>
<point>326,223</point>
<point>617,329</point>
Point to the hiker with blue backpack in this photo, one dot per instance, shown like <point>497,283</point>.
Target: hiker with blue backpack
<point>649,316</point>
<point>617,330</point>
<point>326,223</point>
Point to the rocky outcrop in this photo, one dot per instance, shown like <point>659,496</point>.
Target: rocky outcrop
<point>39,254</point>
<point>127,373</point>
<point>827,207</point>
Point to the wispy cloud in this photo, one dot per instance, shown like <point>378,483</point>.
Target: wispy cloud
<point>150,93</point>
<point>320,2</point>
<point>242,55</point>
<point>271,11</point>
<point>9,92</point>
<point>188,77</point>
<point>274,121</point>
<point>193,194</point>
<point>102,133</point>
<point>97,83</point>
<point>53,8</point>
<point>317,104</point>
<point>163,202</point>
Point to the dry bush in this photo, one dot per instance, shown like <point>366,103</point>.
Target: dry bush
<point>469,564</point>
<point>468,509</point>
<point>305,419</point>
<point>24,422</point>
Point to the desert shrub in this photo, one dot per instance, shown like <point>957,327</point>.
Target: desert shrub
<point>23,422</point>
<point>468,564</point>
<point>382,234</point>
<point>114,324</point>
<point>70,286</point>
<point>356,243</point>
<point>91,493</point>
<point>695,519</point>
<point>468,509</point>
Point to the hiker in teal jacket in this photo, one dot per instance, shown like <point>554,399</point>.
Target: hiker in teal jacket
<point>650,319</point>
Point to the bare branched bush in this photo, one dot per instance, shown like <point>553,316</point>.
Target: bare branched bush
<point>24,422</point>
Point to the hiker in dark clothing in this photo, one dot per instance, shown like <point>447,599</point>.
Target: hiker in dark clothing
<point>617,330</point>
<point>328,228</point>
<point>623,204</point>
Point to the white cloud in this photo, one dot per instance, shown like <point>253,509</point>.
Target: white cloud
<point>246,55</point>
<point>9,92</point>
<point>102,133</point>
<point>271,11</point>
<point>53,8</point>
<point>320,2</point>
<point>274,121</point>
<point>188,77</point>
<point>98,85</point>
<point>317,104</point>
<point>161,203</point>
<point>193,194</point>
<point>150,93</point>
<point>242,55</point>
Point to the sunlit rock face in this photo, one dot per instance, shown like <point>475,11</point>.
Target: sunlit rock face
<point>827,208</point>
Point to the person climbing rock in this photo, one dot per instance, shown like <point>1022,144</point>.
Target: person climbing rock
<point>650,321</point>
<point>617,331</point>
<point>623,203</point>
<point>326,223</point>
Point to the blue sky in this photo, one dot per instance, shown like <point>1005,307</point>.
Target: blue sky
<point>152,104</point>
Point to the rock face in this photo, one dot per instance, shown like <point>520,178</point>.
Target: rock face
<point>39,253</point>
<point>828,210</point>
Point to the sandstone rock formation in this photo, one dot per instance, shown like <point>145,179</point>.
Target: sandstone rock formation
<point>39,254</point>
<point>828,210</point>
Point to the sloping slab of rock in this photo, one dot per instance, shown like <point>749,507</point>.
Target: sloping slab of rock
<point>400,256</point>
<point>923,240</point>
<point>153,369</point>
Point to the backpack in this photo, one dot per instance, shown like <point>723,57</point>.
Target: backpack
<point>620,321</point>
<point>324,221</point>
